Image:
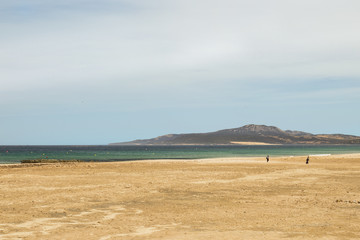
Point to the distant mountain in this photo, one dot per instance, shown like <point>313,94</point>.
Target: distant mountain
<point>247,135</point>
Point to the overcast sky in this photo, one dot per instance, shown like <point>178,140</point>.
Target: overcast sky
<point>103,71</point>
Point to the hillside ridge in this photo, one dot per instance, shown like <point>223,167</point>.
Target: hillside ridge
<point>251,133</point>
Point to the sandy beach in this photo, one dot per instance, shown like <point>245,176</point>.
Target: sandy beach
<point>230,198</point>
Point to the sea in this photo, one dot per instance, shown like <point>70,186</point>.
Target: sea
<point>108,153</point>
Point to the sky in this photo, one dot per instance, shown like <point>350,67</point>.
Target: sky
<point>104,71</point>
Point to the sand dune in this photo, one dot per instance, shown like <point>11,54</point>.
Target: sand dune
<point>233,198</point>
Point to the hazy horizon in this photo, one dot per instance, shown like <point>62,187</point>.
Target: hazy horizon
<point>97,72</point>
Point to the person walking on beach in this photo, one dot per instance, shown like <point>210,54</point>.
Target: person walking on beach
<point>267,158</point>
<point>307,160</point>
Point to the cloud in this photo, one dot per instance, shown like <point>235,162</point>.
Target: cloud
<point>235,57</point>
<point>77,42</point>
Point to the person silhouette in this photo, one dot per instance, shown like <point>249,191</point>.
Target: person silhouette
<point>267,158</point>
<point>307,160</point>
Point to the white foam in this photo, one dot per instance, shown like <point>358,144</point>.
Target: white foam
<point>320,155</point>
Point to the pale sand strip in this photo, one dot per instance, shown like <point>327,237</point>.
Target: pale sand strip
<point>253,143</point>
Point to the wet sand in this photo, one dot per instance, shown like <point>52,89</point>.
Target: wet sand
<point>193,199</point>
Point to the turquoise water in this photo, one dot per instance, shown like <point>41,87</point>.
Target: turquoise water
<point>14,154</point>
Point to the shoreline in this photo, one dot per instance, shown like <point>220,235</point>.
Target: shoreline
<point>209,160</point>
<point>15,155</point>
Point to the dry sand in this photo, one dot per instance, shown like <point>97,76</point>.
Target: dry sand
<point>253,143</point>
<point>197,199</point>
